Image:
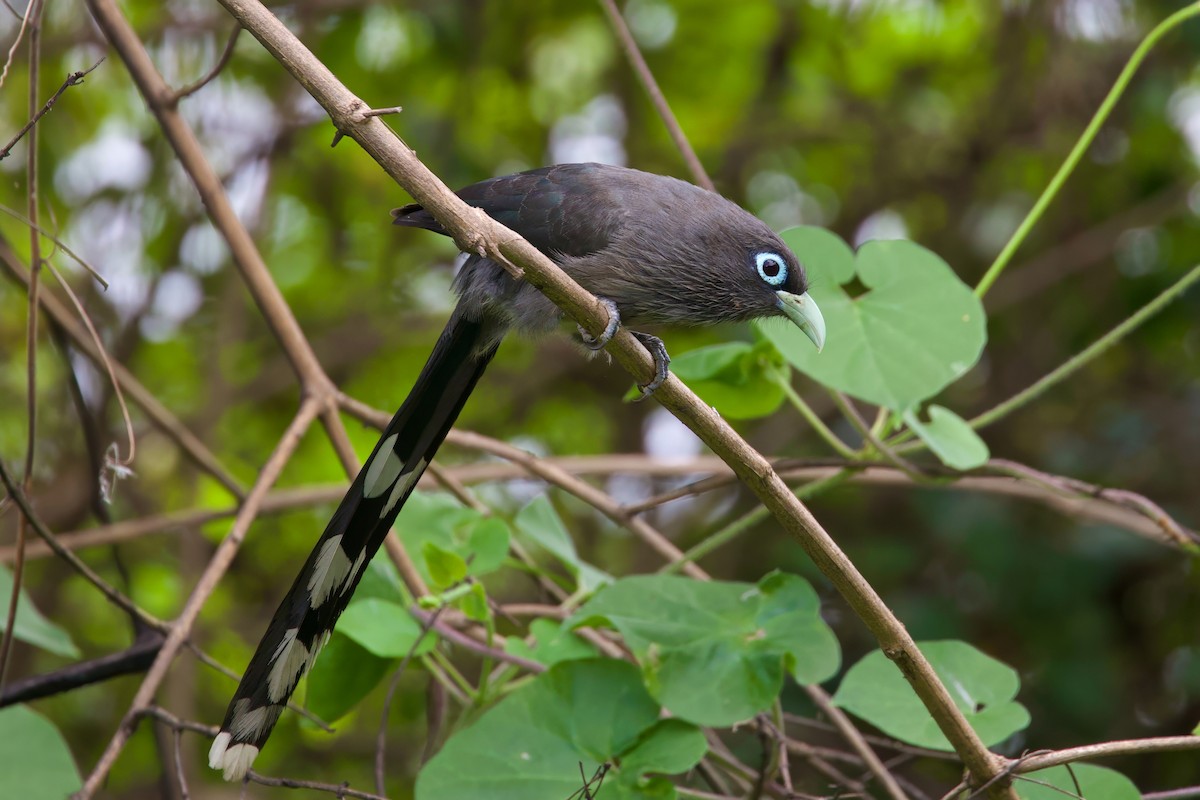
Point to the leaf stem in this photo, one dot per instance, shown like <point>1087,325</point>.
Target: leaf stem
<point>749,520</point>
<point>816,422</point>
<point>1089,353</point>
<point>1081,146</point>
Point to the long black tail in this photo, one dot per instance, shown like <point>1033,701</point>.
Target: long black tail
<point>305,618</point>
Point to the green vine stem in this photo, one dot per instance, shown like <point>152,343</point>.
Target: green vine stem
<point>1085,141</point>
<point>1095,349</point>
<point>751,518</point>
<point>818,425</point>
<point>1071,365</point>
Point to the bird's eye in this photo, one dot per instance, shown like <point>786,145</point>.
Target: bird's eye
<point>771,268</point>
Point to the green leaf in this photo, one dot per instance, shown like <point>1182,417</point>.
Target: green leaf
<point>553,643</point>
<point>344,674</point>
<point>474,604</point>
<point>383,628</point>
<point>694,636</point>
<point>982,688</point>
<point>916,329</point>
<point>30,626</point>
<point>1094,783</point>
<point>950,438</point>
<point>672,746</point>
<point>538,523</point>
<point>445,567</point>
<point>742,381</point>
<point>487,541</point>
<point>531,745</point>
<point>439,520</point>
<point>35,762</point>
<point>381,579</point>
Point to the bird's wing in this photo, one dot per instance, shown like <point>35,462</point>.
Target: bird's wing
<point>561,209</point>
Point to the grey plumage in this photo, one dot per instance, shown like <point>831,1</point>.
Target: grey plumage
<point>665,251</point>
<point>661,251</point>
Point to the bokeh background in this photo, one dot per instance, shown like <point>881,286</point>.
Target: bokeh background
<point>937,121</point>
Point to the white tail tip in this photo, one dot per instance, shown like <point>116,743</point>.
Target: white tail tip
<point>234,761</point>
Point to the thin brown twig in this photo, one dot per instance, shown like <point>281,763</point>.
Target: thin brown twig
<point>74,79</point>
<point>208,77</point>
<point>856,741</point>
<point>107,365</point>
<point>461,639</point>
<point>209,731</point>
<point>821,762</point>
<point>340,790</point>
<point>33,15</point>
<point>1124,747</point>
<point>164,419</point>
<point>381,737</point>
<point>114,596</point>
<point>213,572</point>
<point>638,62</point>
<point>1184,793</point>
<point>1099,506</point>
<point>58,243</point>
<point>12,51</point>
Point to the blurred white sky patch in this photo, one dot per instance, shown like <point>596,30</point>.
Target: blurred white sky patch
<point>234,120</point>
<point>202,250</point>
<point>1139,252</point>
<point>1184,111</point>
<point>594,134</point>
<point>652,22</point>
<point>666,438</point>
<point>989,226</point>
<point>113,160</point>
<point>390,38</point>
<point>778,200</point>
<point>109,236</point>
<point>1096,20</point>
<point>247,190</point>
<point>883,224</point>
<point>921,11</point>
<point>176,298</point>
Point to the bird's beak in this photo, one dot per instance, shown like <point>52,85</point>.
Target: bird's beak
<point>802,310</point>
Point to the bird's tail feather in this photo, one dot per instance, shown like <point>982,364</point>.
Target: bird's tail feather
<point>305,618</point>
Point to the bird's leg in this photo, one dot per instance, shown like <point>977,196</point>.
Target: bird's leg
<point>652,343</point>
<point>661,362</point>
<point>610,330</point>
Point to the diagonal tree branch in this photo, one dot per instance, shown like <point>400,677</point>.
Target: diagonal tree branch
<point>217,566</point>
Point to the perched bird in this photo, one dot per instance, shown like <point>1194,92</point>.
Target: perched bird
<point>655,250</point>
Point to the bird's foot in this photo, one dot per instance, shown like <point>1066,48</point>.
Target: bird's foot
<point>661,362</point>
<point>610,330</point>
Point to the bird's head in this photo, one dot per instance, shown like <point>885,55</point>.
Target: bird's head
<point>783,284</point>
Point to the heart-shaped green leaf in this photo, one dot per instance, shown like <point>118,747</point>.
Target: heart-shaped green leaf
<point>538,524</point>
<point>534,743</point>
<point>436,525</point>
<point>30,626</point>
<point>740,380</point>
<point>916,329</point>
<point>949,437</point>
<point>982,688</point>
<point>35,762</point>
<point>690,636</point>
<point>552,644</point>
<point>1080,780</point>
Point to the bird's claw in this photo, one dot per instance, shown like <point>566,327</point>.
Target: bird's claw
<point>661,361</point>
<point>610,330</point>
